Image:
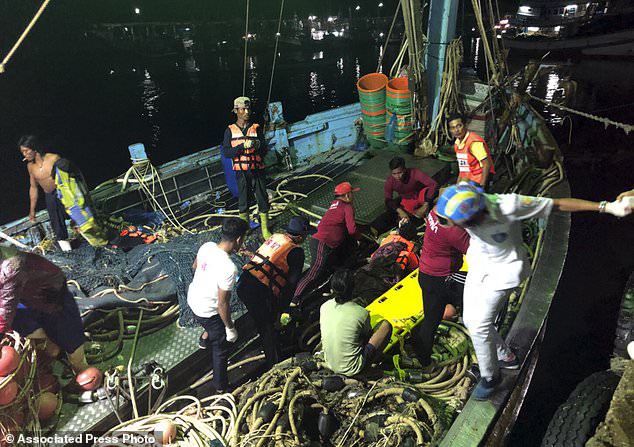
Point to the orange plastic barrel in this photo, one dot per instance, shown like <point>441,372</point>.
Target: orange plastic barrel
<point>371,88</point>
<point>399,103</point>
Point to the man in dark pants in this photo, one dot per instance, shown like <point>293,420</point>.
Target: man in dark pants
<point>329,245</point>
<point>209,295</point>
<point>244,143</point>
<point>269,280</point>
<point>414,190</point>
<point>40,167</point>
<point>440,258</point>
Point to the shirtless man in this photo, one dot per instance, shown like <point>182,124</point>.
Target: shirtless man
<point>40,167</point>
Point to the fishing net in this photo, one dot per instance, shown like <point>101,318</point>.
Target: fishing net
<point>108,278</point>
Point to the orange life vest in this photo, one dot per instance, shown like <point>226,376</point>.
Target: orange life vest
<point>406,259</point>
<point>249,158</point>
<point>469,165</point>
<point>269,264</point>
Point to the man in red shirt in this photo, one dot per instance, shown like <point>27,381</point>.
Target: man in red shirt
<point>440,259</point>
<point>414,190</point>
<point>472,153</point>
<point>329,244</point>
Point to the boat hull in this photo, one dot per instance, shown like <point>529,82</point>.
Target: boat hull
<point>617,44</point>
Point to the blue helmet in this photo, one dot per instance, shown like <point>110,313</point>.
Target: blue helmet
<point>460,202</point>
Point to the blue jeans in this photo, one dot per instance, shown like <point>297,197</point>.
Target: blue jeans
<point>218,348</point>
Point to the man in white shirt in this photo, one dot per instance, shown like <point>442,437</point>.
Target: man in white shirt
<point>498,262</point>
<point>209,295</point>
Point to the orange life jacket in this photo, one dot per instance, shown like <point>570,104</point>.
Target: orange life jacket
<point>406,259</point>
<point>269,264</point>
<point>469,165</point>
<point>249,158</point>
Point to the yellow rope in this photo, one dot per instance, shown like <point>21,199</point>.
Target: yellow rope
<point>34,20</point>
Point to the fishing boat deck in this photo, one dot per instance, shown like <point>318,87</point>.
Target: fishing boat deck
<point>176,349</point>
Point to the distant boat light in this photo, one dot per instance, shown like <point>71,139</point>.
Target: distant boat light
<point>331,19</point>
<point>533,29</point>
<point>358,7</point>
<point>137,11</point>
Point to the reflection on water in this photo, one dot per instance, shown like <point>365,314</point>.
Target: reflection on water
<point>316,89</point>
<point>552,87</point>
<point>475,50</point>
<point>149,98</point>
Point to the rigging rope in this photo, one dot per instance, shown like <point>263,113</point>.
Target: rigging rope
<point>485,40</point>
<point>387,40</point>
<point>31,24</point>
<point>277,39</point>
<point>449,94</point>
<point>246,42</point>
<point>627,128</point>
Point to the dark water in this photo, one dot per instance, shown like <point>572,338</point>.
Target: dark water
<point>90,103</point>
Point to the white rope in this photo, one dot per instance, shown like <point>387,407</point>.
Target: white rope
<point>277,39</point>
<point>34,20</point>
<point>627,128</point>
<point>246,41</point>
<point>389,35</point>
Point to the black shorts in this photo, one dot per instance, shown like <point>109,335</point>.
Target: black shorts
<point>369,354</point>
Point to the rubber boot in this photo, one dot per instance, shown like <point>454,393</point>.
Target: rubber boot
<point>264,223</point>
<point>245,217</point>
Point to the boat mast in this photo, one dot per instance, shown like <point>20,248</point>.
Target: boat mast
<point>441,30</point>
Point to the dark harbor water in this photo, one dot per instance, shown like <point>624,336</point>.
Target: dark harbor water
<point>90,103</point>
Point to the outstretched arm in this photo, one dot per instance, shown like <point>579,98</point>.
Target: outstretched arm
<point>617,208</point>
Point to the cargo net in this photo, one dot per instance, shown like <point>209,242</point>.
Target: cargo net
<point>153,277</point>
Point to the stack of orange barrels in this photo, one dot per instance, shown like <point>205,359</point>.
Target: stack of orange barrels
<point>399,103</point>
<point>371,89</point>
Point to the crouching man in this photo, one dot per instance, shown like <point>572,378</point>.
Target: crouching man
<point>35,301</point>
<point>348,341</point>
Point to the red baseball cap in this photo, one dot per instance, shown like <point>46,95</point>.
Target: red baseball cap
<point>345,188</point>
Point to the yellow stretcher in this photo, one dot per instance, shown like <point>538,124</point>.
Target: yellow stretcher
<point>402,306</point>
